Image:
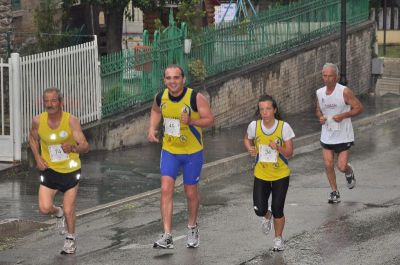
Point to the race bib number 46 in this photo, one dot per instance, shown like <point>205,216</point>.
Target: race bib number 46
<point>267,154</point>
<point>57,154</point>
<point>172,127</point>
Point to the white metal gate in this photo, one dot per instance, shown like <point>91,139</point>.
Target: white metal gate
<point>10,144</point>
<point>74,70</point>
<point>6,139</point>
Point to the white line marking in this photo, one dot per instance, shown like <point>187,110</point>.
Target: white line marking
<point>179,237</point>
<point>136,246</point>
<point>139,246</point>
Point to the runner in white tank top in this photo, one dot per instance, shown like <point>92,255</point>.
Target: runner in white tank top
<point>330,105</point>
<point>336,105</point>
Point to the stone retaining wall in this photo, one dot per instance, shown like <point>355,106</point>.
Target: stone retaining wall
<point>291,77</point>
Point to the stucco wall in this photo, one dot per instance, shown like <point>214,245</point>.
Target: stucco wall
<point>292,78</point>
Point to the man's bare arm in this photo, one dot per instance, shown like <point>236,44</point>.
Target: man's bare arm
<point>82,146</point>
<point>155,118</point>
<point>355,104</point>
<point>34,144</point>
<point>206,116</point>
<point>319,114</point>
<point>352,100</point>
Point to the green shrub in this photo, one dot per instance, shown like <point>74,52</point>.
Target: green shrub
<point>115,98</point>
<point>197,70</point>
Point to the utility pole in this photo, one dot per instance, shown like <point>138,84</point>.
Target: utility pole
<point>384,26</point>
<point>343,40</point>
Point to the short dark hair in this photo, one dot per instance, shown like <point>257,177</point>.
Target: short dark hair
<point>175,66</point>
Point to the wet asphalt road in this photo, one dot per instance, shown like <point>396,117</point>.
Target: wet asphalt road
<point>110,176</point>
<point>362,229</point>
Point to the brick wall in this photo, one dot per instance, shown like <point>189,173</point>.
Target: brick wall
<point>292,78</point>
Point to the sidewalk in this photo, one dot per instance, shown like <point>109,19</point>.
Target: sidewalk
<point>117,175</point>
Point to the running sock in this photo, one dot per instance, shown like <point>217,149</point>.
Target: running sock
<point>349,170</point>
<point>70,236</point>
<point>192,226</point>
<point>59,212</point>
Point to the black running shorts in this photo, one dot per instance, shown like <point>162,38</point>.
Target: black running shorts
<point>337,148</point>
<point>59,181</point>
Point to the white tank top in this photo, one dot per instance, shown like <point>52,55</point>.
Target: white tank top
<point>333,132</point>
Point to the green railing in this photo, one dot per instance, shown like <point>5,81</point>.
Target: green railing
<point>232,45</point>
<point>132,77</point>
<point>126,79</point>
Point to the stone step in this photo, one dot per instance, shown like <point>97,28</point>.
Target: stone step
<point>388,85</point>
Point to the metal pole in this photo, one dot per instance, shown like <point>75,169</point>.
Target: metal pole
<point>91,19</point>
<point>343,40</point>
<point>384,26</point>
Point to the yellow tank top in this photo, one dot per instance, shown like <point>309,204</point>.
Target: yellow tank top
<point>270,171</point>
<point>50,144</point>
<point>180,138</point>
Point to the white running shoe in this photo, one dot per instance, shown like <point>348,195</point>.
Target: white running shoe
<point>278,244</point>
<point>69,246</point>
<point>266,222</point>
<point>165,241</point>
<point>60,223</point>
<point>193,239</point>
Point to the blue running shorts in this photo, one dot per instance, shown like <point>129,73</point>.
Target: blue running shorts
<point>191,166</point>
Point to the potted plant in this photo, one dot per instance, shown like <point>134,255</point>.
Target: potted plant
<point>197,70</point>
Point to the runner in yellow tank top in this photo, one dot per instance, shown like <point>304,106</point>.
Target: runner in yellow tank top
<point>184,113</point>
<point>56,140</point>
<point>51,141</point>
<point>180,138</point>
<point>270,141</point>
<point>270,164</point>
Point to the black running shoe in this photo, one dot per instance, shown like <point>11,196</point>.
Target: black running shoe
<point>334,197</point>
<point>351,180</point>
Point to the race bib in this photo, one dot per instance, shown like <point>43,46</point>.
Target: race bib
<point>267,154</point>
<point>172,127</point>
<point>57,154</point>
<point>332,125</point>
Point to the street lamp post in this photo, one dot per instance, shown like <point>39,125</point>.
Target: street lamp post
<point>384,26</point>
<point>343,40</point>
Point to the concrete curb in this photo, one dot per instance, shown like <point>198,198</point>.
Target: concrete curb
<point>242,162</point>
<point>13,227</point>
<point>10,169</point>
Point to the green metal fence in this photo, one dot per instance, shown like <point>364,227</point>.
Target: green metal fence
<point>132,77</point>
<point>232,45</point>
